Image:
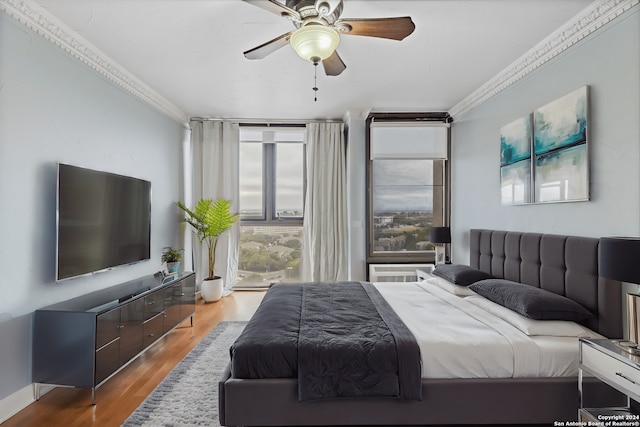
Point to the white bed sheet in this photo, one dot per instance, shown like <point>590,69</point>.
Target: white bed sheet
<point>460,340</point>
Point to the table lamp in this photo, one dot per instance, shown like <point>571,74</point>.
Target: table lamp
<point>440,236</point>
<point>618,260</point>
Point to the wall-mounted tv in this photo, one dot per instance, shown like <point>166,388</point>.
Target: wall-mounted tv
<point>103,221</point>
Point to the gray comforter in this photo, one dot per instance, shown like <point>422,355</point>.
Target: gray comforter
<point>338,340</point>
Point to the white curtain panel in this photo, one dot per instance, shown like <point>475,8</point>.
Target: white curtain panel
<point>324,247</point>
<point>215,176</point>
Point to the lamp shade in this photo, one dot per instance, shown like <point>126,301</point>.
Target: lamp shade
<point>440,235</point>
<point>619,258</point>
<point>314,41</point>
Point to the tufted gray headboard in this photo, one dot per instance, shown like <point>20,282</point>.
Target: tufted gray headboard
<point>565,265</point>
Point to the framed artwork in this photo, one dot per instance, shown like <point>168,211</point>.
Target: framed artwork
<point>515,162</point>
<point>544,155</point>
<point>561,171</point>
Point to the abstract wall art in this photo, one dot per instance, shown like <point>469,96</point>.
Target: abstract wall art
<point>544,155</point>
<point>560,148</point>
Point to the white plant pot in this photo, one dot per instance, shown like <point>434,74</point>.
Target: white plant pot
<point>212,289</point>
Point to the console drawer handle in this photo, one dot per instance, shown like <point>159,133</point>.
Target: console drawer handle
<point>620,374</point>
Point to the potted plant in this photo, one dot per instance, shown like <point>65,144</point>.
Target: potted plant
<point>172,258</point>
<point>209,219</point>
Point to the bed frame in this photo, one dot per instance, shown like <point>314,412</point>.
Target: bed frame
<point>565,265</point>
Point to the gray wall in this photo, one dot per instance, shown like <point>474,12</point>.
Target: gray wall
<point>609,62</point>
<point>53,108</point>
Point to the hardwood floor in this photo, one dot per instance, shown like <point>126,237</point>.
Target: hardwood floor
<point>122,394</point>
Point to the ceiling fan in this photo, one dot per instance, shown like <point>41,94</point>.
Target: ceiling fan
<point>318,30</point>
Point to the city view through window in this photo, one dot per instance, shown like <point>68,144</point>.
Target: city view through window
<point>403,197</point>
<point>271,207</point>
<point>269,254</point>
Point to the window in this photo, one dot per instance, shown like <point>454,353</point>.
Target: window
<point>408,189</point>
<point>272,189</point>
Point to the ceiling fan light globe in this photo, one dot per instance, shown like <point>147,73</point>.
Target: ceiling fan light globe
<point>314,41</point>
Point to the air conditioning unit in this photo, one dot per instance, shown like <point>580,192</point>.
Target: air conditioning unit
<point>397,272</point>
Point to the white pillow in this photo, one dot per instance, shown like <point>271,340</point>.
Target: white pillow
<point>532,327</point>
<point>452,288</point>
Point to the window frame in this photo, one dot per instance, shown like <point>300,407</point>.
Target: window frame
<point>269,185</point>
<point>373,257</point>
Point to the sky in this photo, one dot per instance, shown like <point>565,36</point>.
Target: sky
<point>289,176</point>
<point>400,184</point>
<point>403,185</point>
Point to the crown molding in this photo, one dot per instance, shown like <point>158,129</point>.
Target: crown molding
<point>591,19</point>
<point>595,16</point>
<point>39,20</point>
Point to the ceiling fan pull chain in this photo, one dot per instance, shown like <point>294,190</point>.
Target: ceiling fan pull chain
<point>315,81</point>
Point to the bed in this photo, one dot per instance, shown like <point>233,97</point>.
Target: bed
<point>454,388</point>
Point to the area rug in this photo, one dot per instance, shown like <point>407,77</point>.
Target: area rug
<point>188,396</point>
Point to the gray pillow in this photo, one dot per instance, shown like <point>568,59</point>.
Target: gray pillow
<point>459,274</point>
<point>532,302</point>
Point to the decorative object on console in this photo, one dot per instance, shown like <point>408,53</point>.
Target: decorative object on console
<point>440,236</point>
<point>209,220</point>
<point>172,258</point>
<point>618,260</point>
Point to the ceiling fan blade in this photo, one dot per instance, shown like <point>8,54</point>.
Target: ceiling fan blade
<point>387,28</point>
<point>269,47</point>
<point>333,65</point>
<point>276,7</point>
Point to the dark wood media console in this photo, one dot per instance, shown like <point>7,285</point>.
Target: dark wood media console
<point>83,341</point>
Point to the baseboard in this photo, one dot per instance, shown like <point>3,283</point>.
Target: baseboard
<point>16,402</point>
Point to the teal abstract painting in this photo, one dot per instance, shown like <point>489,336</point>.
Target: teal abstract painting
<point>561,123</point>
<point>515,161</point>
<point>561,161</point>
<point>515,141</point>
<point>562,175</point>
<point>515,181</point>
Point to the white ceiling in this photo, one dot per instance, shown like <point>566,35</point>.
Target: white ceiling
<point>190,52</point>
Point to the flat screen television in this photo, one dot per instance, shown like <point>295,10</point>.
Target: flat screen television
<point>103,221</point>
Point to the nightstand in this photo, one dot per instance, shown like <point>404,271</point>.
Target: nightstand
<point>612,365</point>
<point>396,272</point>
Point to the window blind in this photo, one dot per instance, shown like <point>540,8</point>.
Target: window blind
<point>413,141</point>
